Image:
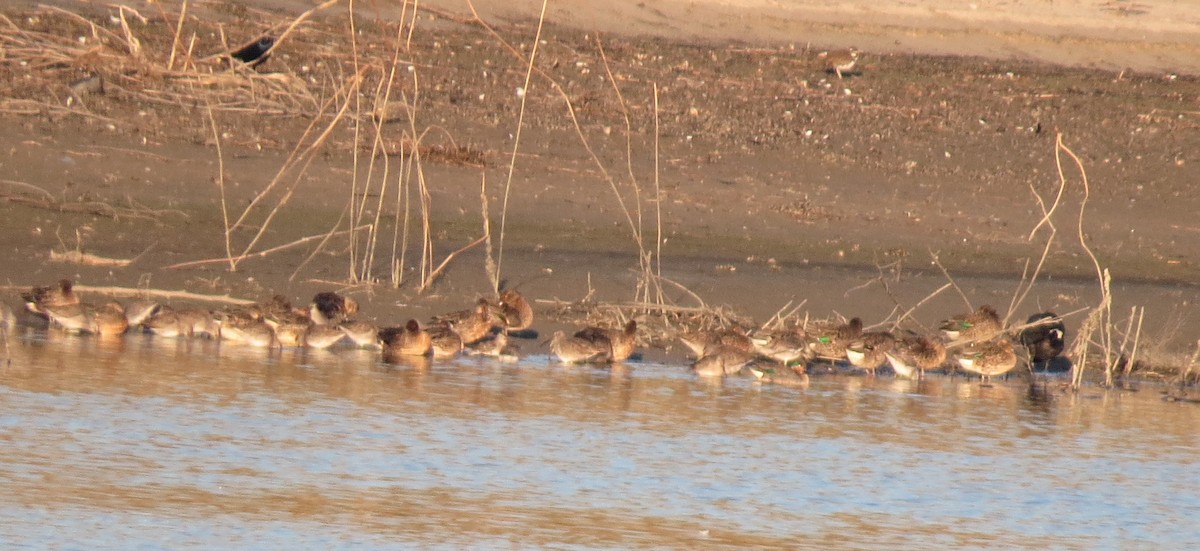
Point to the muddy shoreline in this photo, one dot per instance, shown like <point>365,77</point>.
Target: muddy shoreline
<point>775,181</point>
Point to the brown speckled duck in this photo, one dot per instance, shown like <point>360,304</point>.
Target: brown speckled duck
<point>982,324</point>
<point>409,340</point>
<point>573,349</point>
<point>988,358</point>
<point>913,355</point>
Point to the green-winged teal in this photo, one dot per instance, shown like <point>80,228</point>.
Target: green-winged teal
<point>988,358</point>
<point>982,324</point>
<point>722,360</point>
<point>869,351</point>
<point>913,355</point>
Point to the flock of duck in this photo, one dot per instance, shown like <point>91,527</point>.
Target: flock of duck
<point>976,341</point>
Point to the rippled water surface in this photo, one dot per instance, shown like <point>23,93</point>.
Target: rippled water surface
<point>143,443</point>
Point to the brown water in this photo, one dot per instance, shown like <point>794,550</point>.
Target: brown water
<point>145,443</point>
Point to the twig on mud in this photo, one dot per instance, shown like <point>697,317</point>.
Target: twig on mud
<point>140,292</point>
<point>512,164</point>
<point>89,207</point>
<point>260,254</point>
<point>781,315</point>
<point>88,259</point>
<point>937,262</point>
<point>922,302</point>
<point>221,186</point>
<point>437,272</point>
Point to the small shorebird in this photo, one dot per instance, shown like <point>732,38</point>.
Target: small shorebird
<point>257,334</point>
<point>446,343</point>
<point>869,351</point>
<point>363,333</point>
<point>164,323</point>
<point>722,360</point>
<point>621,342</point>
<point>137,311</point>
<point>786,347</point>
<point>409,340</point>
<point>471,325</point>
<point>982,324</point>
<point>322,336</point>
<point>495,347</point>
<point>109,319</point>
<point>247,330</point>
<point>329,308</point>
<point>839,62</point>
<point>829,341</point>
<point>913,355</point>
<point>198,322</point>
<point>1045,340</point>
<point>290,333</point>
<point>701,341</point>
<point>515,311</point>
<point>574,349</point>
<point>988,358</point>
<point>72,318</point>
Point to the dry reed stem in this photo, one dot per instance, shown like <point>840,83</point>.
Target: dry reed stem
<point>920,303</point>
<point>141,292</point>
<point>178,30</point>
<point>512,163</point>
<point>309,155</point>
<point>658,234</point>
<point>937,262</point>
<point>636,227</point>
<point>88,259</point>
<point>1025,286</point>
<point>261,254</point>
<point>95,208</point>
<point>437,272</point>
<point>489,265</point>
<point>321,246</point>
<point>131,42</point>
<point>221,188</point>
<point>1132,360</point>
<point>649,280</point>
<point>570,112</point>
<point>1103,312</point>
<point>778,320</point>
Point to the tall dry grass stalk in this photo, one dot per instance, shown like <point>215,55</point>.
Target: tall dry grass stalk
<point>1097,328</point>
<point>650,284</point>
<point>221,189</point>
<point>512,163</point>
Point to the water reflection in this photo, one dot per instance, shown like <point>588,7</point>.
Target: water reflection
<point>140,441</point>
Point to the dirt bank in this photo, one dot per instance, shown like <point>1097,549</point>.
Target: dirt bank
<point>769,179</point>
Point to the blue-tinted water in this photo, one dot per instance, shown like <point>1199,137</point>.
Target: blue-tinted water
<point>145,444</point>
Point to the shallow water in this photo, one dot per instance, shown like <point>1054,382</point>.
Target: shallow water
<point>144,443</point>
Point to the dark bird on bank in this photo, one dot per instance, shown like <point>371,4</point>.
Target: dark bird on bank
<point>255,53</point>
<point>1044,341</point>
